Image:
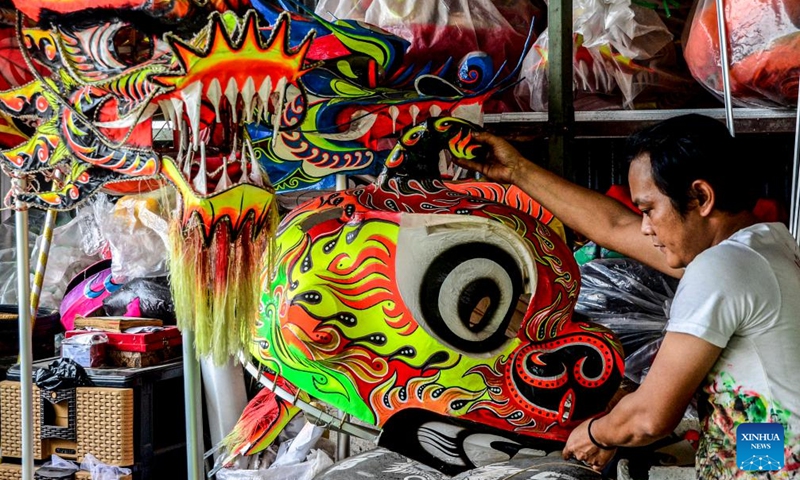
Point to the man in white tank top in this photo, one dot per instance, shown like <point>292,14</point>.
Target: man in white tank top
<point>734,328</point>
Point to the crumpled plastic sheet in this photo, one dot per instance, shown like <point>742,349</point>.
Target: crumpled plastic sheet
<point>136,232</point>
<point>75,246</point>
<point>632,300</point>
<point>620,48</point>
<point>60,374</point>
<point>101,471</point>
<point>297,458</point>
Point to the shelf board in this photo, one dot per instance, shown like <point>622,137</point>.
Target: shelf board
<point>621,123</point>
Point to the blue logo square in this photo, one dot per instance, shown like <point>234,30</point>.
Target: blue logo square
<point>759,446</point>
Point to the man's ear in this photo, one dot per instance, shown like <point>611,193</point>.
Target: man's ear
<point>704,197</point>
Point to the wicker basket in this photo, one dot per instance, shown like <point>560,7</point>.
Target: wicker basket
<point>11,471</point>
<point>103,425</point>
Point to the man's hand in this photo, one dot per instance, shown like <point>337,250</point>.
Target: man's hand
<point>503,163</point>
<point>582,449</point>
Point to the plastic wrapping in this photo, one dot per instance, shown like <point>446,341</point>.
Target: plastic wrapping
<point>62,373</point>
<point>301,456</point>
<point>136,232</point>
<point>446,29</point>
<point>101,471</point>
<point>619,49</point>
<point>87,350</point>
<point>75,245</point>
<point>632,300</point>
<point>154,299</point>
<point>763,47</point>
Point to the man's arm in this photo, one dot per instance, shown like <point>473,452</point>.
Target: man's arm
<point>655,409</point>
<point>594,215</point>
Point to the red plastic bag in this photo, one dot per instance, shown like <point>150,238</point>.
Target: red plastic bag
<point>763,49</point>
<point>619,49</point>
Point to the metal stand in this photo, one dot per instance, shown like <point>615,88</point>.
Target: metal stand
<point>25,332</point>
<point>723,60</point>
<point>794,224</point>
<point>194,409</point>
<point>342,439</point>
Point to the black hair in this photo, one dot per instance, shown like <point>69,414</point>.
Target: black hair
<point>693,147</point>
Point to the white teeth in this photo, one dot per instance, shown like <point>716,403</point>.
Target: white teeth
<point>168,112</point>
<point>224,180</point>
<point>231,93</point>
<point>191,97</point>
<point>248,92</point>
<point>199,182</point>
<point>214,93</point>
<point>182,141</point>
<point>244,163</point>
<point>255,172</point>
<point>435,110</point>
<point>177,108</point>
<point>281,89</point>
<point>186,156</point>
<point>264,91</point>
<point>414,111</point>
<point>394,112</point>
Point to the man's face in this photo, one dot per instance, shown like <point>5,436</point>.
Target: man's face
<point>678,237</point>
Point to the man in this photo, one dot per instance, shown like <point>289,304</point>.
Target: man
<point>734,325</point>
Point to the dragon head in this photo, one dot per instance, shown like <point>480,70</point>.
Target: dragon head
<point>440,316</point>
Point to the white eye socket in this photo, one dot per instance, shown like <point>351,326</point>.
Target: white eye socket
<point>461,277</point>
<point>468,294</point>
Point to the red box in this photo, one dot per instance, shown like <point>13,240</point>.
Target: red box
<point>140,342</point>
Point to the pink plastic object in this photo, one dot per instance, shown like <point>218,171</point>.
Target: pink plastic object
<point>85,293</point>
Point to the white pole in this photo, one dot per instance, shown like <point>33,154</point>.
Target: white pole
<point>194,409</point>
<point>793,213</point>
<point>723,59</point>
<point>25,349</point>
<point>342,439</point>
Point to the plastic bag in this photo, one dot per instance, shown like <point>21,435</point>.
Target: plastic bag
<point>57,467</point>
<point>154,298</point>
<point>632,300</point>
<point>763,47</point>
<point>101,471</point>
<point>619,48</point>
<point>443,29</point>
<point>301,456</point>
<point>62,373</point>
<point>87,350</point>
<point>136,232</point>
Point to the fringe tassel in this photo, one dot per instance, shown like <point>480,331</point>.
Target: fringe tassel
<point>216,287</point>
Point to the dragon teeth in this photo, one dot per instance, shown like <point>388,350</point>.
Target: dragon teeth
<point>168,112</point>
<point>394,112</point>
<point>247,93</point>
<point>224,180</point>
<point>214,94</point>
<point>232,93</point>
<point>191,98</point>
<point>264,91</point>
<point>255,171</point>
<point>435,110</point>
<point>414,111</point>
<point>200,181</point>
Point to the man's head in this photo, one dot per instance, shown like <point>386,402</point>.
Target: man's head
<point>690,182</point>
<point>693,147</point>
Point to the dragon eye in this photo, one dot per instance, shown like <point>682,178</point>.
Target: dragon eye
<point>467,283</point>
<point>131,46</point>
